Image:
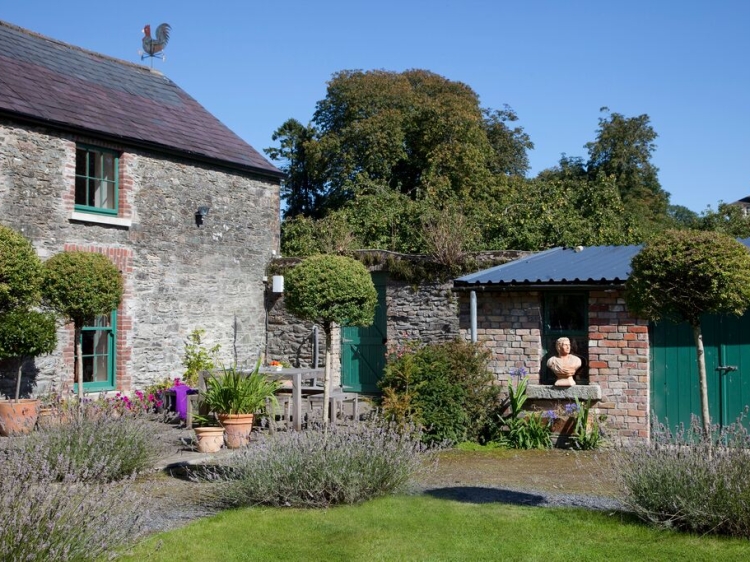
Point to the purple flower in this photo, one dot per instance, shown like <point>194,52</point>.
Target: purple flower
<point>519,372</point>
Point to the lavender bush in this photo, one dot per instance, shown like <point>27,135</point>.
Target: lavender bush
<point>45,515</point>
<point>102,447</point>
<point>689,480</point>
<point>315,468</point>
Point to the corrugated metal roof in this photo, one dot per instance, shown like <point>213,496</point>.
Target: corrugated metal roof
<point>594,265</point>
<point>564,266</point>
<point>65,86</point>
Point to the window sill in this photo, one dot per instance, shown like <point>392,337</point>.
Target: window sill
<point>550,392</point>
<point>100,219</point>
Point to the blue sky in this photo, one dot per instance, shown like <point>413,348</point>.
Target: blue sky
<point>255,64</point>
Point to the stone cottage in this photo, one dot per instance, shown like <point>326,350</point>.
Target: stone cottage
<point>102,155</point>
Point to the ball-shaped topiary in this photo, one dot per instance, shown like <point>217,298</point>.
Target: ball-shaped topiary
<point>81,285</point>
<point>20,271</point>
<point>328,288</point>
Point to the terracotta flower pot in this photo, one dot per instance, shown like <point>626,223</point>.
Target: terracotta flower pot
<point>209,439</point>
<point>18,417</point>
<point>238,428</point>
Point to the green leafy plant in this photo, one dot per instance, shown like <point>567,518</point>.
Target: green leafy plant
<point>523,430</point>
<point>198,357</point>
<point>331,289</point>
<point>445,388</point>
<point>24,332</point>
<point>235,392</point>
<point>81,286</point>
<point>587,434</point>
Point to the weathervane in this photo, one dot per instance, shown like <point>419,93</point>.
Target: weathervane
<point>154,48</point>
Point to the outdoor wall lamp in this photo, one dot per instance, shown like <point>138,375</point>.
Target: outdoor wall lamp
<point>200,214</point>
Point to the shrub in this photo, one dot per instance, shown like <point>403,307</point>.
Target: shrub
<point>314,468</point>
<point>689,481</point>
<point>446,388</point>
<point>197,357</point>
<point>72,520</point>
<point>20,271</point>
<point>101,445</point>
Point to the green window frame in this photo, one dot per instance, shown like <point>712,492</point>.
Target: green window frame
<point>97,180</point>
<point>98,342</point>
<point>566,315</point>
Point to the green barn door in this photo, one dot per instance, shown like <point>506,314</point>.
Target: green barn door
<point>363,349</point>
<point>674,371</point>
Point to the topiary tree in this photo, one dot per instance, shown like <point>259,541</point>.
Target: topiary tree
<point>331,289</point>
<point>20,271</point>
<point>684,274</point>
<point>23,332</point>
<point>81,286</point>
<point>26,333</point>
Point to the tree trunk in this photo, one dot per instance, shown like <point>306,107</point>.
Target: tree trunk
<point>327,375</point>
<point>18,378</point>
<point>78,374</point>
<point>698,336</point>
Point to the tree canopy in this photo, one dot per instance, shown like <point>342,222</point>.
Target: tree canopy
<point>414,132</point>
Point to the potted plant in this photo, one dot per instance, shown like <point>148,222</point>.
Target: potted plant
<point>209,433</point>
<point>235,397</point>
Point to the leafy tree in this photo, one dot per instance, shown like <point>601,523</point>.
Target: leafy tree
<point>20,271</point>
<point>623,149</point>
<point>331,289</point>
<point>682,275</point>
<point>509,145</point>
<point>414,132</point>
<point>81,286</point>
<point>564,211</point>
<point>24,332</point>
<point>727,219</point>
<point>302,190</point>
<point>682,217</point>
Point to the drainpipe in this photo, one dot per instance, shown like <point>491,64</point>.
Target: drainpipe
<point>315,347</point>
<point>473,315</point>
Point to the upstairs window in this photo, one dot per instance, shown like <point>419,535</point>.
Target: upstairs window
<point>97,171</point>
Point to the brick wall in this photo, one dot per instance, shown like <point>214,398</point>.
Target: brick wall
<point>619,363</point>
<point>509,324</point>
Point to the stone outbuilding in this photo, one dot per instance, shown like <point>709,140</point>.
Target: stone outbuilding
<point>102,155</point>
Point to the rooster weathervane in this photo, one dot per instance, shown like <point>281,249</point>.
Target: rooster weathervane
<point>154,47</point>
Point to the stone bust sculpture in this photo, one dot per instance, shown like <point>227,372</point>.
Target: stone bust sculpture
<point>564,364</point>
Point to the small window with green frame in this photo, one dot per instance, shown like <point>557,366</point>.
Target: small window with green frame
<point>566,315</point>
<point>97,172</point>
<point>98,343</point>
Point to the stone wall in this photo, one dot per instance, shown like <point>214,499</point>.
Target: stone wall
<point>179,276</point>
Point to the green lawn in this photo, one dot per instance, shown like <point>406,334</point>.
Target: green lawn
<point>425,528</point>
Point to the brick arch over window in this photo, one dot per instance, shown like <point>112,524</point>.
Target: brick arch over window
<point>123,260</point>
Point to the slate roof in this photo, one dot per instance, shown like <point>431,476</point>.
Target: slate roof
<point>593,265</point>
<point>45,81</point>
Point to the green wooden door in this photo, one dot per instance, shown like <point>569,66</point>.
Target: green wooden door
<point>363,349</point>
<point>675,391</point>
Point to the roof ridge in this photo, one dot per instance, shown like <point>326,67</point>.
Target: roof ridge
<point>72,47</point>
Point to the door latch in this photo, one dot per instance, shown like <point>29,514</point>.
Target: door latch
<point>726,368</point>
